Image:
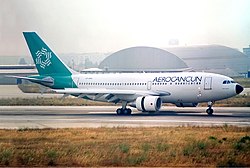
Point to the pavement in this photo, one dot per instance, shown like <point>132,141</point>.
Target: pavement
<point>19,117</point>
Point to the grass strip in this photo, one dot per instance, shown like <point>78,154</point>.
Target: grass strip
<point>121,146</point>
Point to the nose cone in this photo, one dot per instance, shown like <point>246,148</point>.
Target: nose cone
<point>239,89</point>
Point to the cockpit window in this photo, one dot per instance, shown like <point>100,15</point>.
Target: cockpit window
<point>228,82</point>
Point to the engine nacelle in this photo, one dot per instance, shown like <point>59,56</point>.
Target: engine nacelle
<point>148,103</point>
<point>186,104</point>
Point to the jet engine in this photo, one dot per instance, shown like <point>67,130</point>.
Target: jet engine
<point>148,103</point>
<point>186,104</point>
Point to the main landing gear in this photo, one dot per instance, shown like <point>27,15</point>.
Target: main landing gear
<point>210,110</point>
<point>124,110</point>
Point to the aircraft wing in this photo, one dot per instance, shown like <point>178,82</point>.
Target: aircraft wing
<point>110,91</point>
<point>116,92</point>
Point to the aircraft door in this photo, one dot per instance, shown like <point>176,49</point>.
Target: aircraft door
<point>149,85</point>
<point>208,83</point>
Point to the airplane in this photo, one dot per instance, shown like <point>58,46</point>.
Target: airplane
<point>144,91</point>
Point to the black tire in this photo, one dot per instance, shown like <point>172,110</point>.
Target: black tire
<point>210,111</point>
<point>127,111</point>
<point>119,111</point>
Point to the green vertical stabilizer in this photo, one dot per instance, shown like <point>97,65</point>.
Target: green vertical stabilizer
<point>46,61</point>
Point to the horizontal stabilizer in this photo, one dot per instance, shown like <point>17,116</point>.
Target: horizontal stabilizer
<point>39,81</point>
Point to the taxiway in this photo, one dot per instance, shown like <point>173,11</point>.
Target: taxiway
<point>17,117</point>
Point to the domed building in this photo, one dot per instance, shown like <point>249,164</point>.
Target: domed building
<point>209,58</point>
<point>146,59</point>
<point>214,58</point>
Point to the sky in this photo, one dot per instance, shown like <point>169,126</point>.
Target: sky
<point>82,26</point>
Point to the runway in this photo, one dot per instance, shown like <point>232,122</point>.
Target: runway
<point>18,117</point>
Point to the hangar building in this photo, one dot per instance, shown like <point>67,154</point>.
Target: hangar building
<point>214,58</point>
<point>142,59</point>
<point>210,58</point>
<point>15,70</point>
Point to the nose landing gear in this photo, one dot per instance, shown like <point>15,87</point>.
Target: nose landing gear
<point>210,110</point>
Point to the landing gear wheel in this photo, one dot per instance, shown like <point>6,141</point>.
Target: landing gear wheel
<point>209,111</point>
<point>210,105</point>
<point>125,111</point>
<point>119,111</point>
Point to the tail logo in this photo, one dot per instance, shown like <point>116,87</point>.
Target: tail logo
<point>43,58</point>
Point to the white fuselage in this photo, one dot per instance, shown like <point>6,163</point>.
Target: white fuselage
<point>184,87</point>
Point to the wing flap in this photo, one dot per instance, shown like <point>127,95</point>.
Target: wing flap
<point>111,92</point>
